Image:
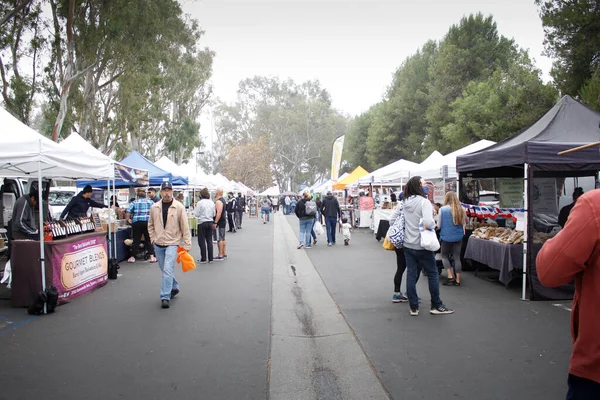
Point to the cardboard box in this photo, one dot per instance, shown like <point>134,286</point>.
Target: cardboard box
<point>113,226</point>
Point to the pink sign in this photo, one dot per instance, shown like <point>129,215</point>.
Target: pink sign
<point>79,266</point>
<point>366,203</point>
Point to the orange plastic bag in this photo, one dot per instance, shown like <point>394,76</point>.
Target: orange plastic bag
<point>186,259</point>
<point>387,244</point>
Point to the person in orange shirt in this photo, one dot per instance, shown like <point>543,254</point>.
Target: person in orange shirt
<point>574,254</point>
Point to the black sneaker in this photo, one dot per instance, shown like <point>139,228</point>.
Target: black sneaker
<point>414,311</point>
<point>202,261</point>
<point>220,258</point>
<point>165,304</point>
<point>174,293</point>
<point>440,310</point>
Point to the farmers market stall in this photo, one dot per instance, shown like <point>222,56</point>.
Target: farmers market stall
<point>74,265</point>
<point>26,153</point>
<point>528,163</point>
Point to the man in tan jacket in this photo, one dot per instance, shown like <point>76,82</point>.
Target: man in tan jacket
<point>168,226</point>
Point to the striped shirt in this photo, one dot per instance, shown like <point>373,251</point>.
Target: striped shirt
<point>140,209</point>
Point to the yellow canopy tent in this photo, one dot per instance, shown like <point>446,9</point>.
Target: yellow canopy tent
<point>355,175</point>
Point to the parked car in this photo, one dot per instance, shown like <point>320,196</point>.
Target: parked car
<point>489,199</point>
<point>58,199</point>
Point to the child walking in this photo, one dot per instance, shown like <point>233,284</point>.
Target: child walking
<point>346,231</point>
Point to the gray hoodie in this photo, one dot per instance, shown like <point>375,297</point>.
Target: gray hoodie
<point>415,209</point>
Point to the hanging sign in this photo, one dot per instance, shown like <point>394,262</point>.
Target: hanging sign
<point>511,192</point>
<point>544,198</point>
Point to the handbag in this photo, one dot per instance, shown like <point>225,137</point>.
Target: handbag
<point>318,228</point>
<point>396,231</point>
<point>387,244</point>
<point>186,259</point>
<point>429,239</point>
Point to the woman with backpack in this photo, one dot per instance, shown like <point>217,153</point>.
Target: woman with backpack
<point>306,218</point>
<point>452,229</point>
<point>418,213</point>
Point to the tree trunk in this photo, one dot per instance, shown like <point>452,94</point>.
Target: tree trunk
<point>68,77</point>
<point>87,111</point>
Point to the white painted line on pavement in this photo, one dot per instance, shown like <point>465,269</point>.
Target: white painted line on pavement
<point>562,306</point>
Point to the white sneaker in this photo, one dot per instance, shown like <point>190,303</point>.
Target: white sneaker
<point>441,310</point>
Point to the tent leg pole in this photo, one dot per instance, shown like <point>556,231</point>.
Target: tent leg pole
<point>525,231</point>
<point>41,229</point>
<point>110,243</point>
<point>115,232</point>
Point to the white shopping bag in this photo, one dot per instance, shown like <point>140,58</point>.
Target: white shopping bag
<point>429,239</point>
<point>7,274</point>
<point>318,228</point>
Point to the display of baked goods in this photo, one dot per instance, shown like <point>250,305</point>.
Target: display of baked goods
<point>500,235</point>
<point>510,236</point>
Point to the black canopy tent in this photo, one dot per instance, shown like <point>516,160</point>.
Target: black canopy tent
<point>533,153</point>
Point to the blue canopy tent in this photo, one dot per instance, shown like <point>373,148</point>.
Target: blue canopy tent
<point>138,161</point>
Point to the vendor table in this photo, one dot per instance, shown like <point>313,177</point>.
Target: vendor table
<point>499,256</point>
<point>75,265</point>
<point>378,215</point>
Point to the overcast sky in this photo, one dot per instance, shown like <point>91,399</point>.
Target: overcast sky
<point>352,48</point>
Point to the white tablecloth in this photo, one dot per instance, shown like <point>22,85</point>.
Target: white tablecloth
<point>378,215</point>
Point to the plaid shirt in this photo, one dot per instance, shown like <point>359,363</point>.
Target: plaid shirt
<point>140,209</point>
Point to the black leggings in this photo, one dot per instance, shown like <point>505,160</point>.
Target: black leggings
<point>400,268</point>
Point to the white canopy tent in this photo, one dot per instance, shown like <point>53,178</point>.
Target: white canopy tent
<point>450,159</point>
<point>169,166</point>
<point>432,167</point>
<point>272,191</point>
<point>389,173</point>
<point>25,153</point>
<point>324,187</point>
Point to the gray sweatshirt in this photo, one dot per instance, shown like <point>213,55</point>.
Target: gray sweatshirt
<point>415,209</point>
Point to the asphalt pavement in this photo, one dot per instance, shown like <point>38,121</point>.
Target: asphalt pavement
<point>252,327</point>
<point>116,342</point>
<point>494,346</point>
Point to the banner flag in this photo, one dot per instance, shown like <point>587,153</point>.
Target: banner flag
<point>336,157</point>
<point>138,177</point>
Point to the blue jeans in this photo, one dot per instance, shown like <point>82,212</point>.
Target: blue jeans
<point>331,223</point>
<point>582,389</point>
<point>166,261</point>
<point>426,260</point>
<point>305,229</point>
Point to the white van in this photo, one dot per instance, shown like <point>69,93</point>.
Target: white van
<point>11,189</point>
<point>59,197</point>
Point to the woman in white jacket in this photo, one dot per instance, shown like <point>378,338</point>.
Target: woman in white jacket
<point>417,208</point>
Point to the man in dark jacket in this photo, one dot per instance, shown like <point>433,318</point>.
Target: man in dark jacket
<point>152,195</point>
<point>330,209</point>
<point>24,225</point>
<point>79,205</point>
<point>563,215</point>
<point>319,207</point>
<point>240,207</point>
<point>231,207</point>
